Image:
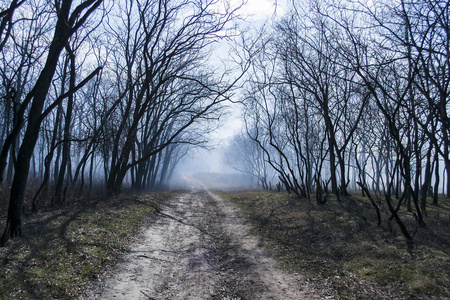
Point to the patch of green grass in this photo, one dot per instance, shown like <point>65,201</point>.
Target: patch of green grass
<point>66,249</point>
<point>339,247</point>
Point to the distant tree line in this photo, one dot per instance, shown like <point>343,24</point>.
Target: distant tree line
<point>353,94</point>
<point>98,92</point>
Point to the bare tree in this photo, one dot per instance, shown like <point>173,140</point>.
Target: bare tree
<point>368,81</point>
<point>314,67</point>
<point>428,27</point>
<point>384,60</point>
<point>246,156</point>
<point>21,58</point>
<point>301,81</point>
<point>166,84</point>
<point>7,21</point>
<point>68,22</point>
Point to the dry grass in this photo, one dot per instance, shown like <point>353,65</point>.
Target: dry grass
<point>64,249</point>
<point>339,247</point>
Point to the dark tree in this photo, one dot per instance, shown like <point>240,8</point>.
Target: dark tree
<point>68,22</point>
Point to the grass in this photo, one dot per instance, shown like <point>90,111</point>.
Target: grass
<point>339,247</point>
<point>65,249</point>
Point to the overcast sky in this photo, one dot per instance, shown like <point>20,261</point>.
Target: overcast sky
<point>261,9</point>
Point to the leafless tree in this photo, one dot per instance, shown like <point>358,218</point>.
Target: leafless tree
<point>369,82</point>
<point>246,156</point>
<point>162,54</point>
<point>68,21</point>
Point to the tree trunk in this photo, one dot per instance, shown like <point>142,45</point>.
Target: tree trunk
<point>343,187</point>
<point>447,165</point>
<point>397,218</point>
<point>374,204</point>
<point>47,162</point>
<point>334,186</point>
<point>165,166</point>
<point>426,182</point>
<point>12,161</point>
<point>436,177</point>
<point>66,136</point>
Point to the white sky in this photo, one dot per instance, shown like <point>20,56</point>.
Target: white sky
<point>258,10</point>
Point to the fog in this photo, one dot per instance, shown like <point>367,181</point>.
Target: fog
<point>332,98</point>
<point>210,165</point>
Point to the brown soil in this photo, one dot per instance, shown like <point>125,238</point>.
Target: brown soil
<point>199,247</point>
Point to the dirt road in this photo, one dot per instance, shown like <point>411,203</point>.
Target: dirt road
<point>198,247</point>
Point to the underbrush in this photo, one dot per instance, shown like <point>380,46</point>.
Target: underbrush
<point>339,247</point>
<point>66,248</point>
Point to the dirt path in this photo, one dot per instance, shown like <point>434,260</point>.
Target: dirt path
<point>198,247</point>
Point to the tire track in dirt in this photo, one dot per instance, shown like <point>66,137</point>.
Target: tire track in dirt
<point>198,247</point>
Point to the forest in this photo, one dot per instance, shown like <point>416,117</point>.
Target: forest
<point>97,96</point>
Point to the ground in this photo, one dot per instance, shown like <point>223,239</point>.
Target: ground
<point>195,243</point>
<point>199,247</point>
